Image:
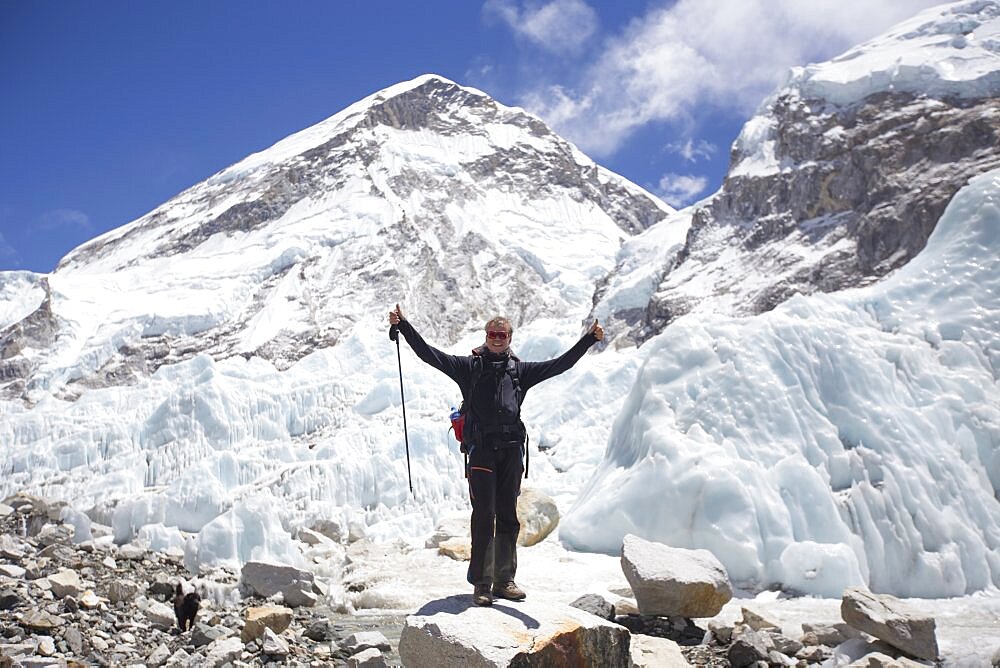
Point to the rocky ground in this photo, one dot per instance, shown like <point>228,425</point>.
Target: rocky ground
<point>64,603</point>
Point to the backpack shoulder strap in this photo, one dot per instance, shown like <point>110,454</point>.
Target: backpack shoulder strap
<point>512,372</point>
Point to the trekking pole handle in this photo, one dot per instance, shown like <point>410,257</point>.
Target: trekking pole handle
<point>394,333</point>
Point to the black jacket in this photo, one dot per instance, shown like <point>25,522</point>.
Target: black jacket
<point>493,403</point>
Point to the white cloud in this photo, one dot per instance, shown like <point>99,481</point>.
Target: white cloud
<point>693,150</point>
<point>678,190</point>
<point>729,54</point>
<point>63,218</point>
<point>559,26</point>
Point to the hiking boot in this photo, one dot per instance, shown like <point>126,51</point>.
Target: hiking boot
<point>509,591</point>
<point>481,595</point>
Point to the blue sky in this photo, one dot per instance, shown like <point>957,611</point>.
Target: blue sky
<point>112,107</point>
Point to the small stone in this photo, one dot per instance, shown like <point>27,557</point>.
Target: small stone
<point>369,658</point>
<point>202,634</point>
<point>160,614</point>
<point>70,604</point>
<point>66,582</point>
<point>362,640</point>
<point>459,549</point>
<point>224,651</point>
<point>109,562</point>
<point>39,620</point>
<point>595,605</point>
<point>159,656</point>
<point>273,644</point>
<point>131,552</point>
<point>122,590</point>
<point>319,630</point>
<point>9,599</point>
<point>90,601</point>
<point>12,571</point>
<point>99,643</point>
<point>178,659</point>
<point>46,646</point>
<point>756,621</point>
<point>74,639</point>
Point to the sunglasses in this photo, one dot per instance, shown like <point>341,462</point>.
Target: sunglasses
<point>497,335</point>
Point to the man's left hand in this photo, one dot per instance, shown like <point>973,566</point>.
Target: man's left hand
<point>597,330</point>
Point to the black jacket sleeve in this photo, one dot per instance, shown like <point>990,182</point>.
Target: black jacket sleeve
<point>532,373</point>
<point>457,367</point>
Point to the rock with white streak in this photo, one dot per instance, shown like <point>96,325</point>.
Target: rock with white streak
<point>159,656</point>
<point>452,633</point>
<point>670,581</point>
<point>890,620</point>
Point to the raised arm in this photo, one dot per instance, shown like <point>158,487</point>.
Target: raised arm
<point>532,373</point>
<point>457,368</point>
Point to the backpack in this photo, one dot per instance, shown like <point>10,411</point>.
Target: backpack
<point>458,416</point>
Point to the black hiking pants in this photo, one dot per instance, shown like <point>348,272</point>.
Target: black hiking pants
<point>495,471</point>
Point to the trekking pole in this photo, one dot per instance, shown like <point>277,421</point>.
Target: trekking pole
<point>394,336</point>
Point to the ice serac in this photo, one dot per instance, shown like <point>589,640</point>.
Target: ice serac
<point>843,172</point>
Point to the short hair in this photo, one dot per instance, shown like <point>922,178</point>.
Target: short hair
<point>500,321</point>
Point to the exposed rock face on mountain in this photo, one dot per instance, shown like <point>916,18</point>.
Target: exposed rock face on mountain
<point>842,175</point>
<point>427,193</point>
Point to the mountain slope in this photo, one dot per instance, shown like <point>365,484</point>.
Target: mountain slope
<point>844,171</point>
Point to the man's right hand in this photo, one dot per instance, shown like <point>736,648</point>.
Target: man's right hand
<point>395,316</point>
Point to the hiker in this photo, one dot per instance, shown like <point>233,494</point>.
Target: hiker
<point>493,383</point>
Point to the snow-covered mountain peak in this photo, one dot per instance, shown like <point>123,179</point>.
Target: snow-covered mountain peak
<point>950,50</point>
<point>427,192</point>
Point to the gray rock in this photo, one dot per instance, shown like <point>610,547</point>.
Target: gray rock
<point>221,652</point>
<point>748,647</point>
<point>723,633</point>
<point>328,528</point>
<point>880,660</point>
<point>12,571</point>
<point>453,633</point>
<point>363,640</point>
<point>160,614</point>
<point>369,658</point>
<point>783,643</point>
<point>757,621</point>
<point>263,579</point>
<point>123,591</point>
<point>595,604</point>
<point>203,634</point>
<point>158,656</point>
<point>178,659</point>
<point>276,618</point>
<point>890,620</point>
<point>10,599</point>
<point>273,644</point>
<point>74,639</point>
<point>821,634</point>
<point>66,582</point>
<point>319,630</point>
<point>672,581</point>
<point>39,620</point>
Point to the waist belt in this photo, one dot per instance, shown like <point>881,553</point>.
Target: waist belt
<point>490,430</point>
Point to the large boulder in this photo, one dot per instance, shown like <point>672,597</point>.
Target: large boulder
<point>537,514</point>
<point>670,581</point>
<point>452,632</point>
<point>891,620</point>
<point>264,579</point>
<point>272,617</point>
